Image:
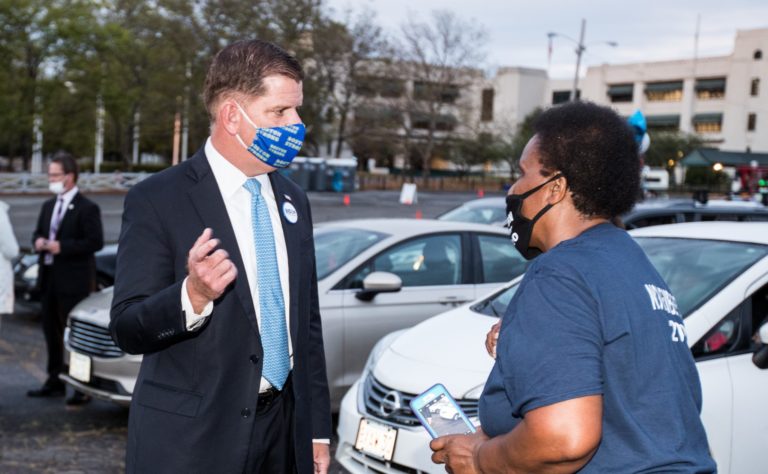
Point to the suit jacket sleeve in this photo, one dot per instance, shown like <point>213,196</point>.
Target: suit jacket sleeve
<point>41,230</point>
<point>321,400</point>
<point>92,238</point>
<point>146,311</point>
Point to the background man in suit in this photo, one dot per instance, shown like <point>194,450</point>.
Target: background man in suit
<point>233,377</point>
<point>67,235</point>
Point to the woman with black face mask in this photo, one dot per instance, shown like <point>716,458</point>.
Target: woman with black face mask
<point>587,377</point>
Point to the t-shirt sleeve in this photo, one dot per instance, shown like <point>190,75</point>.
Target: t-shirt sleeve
<point>550,350</point>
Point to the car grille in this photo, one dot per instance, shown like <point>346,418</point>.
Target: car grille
<point>393,406</point>
<point>92,340</point>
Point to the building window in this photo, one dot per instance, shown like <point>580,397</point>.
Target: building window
<point>708,123</point>
<point>664,91</point>
<point>372,86</point>
<point>751,122</point>
<point>663,123</point>
<point>710,88</point>
<point>561,97</point>
<point>432,91</point>
<point>620,92</point>
<point>486,111</point>
<point>754,88</point>
<point>443,122</point>
<point>758,55</point>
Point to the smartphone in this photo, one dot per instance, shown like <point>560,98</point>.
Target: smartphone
<point>440,414</point>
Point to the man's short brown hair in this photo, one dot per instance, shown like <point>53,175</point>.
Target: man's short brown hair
<point>241,68</point>
<point>67,163</point>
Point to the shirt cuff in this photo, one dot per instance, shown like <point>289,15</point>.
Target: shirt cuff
<point>322,441</point>
<point>193,320</point>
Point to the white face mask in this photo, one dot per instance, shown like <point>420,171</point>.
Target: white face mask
<point>56,187</point>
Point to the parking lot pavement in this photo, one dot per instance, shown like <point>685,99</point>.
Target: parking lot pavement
<point>42,435</point>
<point>325,206</point>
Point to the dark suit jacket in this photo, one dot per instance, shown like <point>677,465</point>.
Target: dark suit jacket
<point>80,235</point>
<point>190,400</point>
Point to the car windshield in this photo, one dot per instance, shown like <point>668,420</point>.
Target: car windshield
<point>497,304</point>
<point>336,246</point>
<point>694,269</point>
<point>477,215</point>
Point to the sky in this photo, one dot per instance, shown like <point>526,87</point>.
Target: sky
<point>645,31</point>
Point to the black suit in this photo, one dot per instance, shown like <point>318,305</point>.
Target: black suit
<point>72,275</point>
<point>195,397</point>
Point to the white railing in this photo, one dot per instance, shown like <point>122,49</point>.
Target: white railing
<point>21,183</point>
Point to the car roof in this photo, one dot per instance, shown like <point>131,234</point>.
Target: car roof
<point>746,207</point>
<point>493,201</point>
<point>752,232</point>
<point>404,227</point>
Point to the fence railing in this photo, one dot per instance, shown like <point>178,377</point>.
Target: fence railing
<point>28,183</point>
<point>432,183</point>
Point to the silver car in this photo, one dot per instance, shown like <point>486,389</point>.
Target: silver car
<point>374,276</point>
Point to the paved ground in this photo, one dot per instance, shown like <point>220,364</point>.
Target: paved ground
<point>325,206</point>
<point>43,436</point>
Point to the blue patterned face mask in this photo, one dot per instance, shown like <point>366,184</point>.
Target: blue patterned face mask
<point>275,146</point>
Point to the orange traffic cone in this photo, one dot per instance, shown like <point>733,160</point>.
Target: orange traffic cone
<point>481,192</point>
<point>419,214</point>
<point>346,200</point>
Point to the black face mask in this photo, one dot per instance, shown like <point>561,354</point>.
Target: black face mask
<point>520,227</point>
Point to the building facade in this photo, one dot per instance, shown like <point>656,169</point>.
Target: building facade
<point>722,99</point>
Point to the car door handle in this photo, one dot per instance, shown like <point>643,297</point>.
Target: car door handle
<point>452,300</point>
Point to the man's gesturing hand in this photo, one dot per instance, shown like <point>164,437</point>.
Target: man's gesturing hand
<point>209,273</point>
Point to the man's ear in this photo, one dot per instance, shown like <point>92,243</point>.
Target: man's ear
<point>558,190</point>
<point>228,116</point>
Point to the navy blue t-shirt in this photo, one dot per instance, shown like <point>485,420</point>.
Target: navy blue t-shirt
<point>593,317</point>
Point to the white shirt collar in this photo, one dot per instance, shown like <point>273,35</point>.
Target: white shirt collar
<point>229,178</point>
<point>68,196</point>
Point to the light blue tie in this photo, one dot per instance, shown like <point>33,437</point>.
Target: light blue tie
<point>274,334</point>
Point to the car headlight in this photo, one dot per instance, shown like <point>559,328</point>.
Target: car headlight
<point>373,359</point>
<point>30,274</point>
<point>379,349</point>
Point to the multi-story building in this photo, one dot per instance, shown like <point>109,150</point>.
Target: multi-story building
<point>723,99</point>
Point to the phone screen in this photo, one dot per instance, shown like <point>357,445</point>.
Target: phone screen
<point>440,414</point>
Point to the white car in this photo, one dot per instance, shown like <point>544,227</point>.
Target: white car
<point>719,275</point>
<point>374,276</point>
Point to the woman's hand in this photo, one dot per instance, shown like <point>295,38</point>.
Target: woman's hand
<point>458,452</point>
<point>492,338</point>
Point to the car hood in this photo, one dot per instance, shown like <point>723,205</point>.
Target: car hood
<point>95,308</point>
<point>448,348</point>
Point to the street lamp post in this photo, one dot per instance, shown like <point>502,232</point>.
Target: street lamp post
<point>580,48</point>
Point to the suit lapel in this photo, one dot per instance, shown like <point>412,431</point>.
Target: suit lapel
<point>208,202</point>
<point>71,208</point>
<point>292,247</point>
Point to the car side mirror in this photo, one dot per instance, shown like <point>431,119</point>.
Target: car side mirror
<point>760,357</point>
<point>379,282</point>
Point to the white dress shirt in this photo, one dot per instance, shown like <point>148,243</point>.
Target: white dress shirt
<point>237,200</point>
<point>63,200</point>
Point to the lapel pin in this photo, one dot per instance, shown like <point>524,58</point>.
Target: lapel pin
<point>289,212</point>
<point>71,206</point>
<point>287,197</point>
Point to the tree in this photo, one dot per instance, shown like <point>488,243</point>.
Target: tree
<point>344,54</point>
<point>666,146</point>
<point>440,58</point>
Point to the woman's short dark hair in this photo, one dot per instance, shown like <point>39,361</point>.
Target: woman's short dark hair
<point>241,68</point>
<point>595,150</point>
<point>67,162</point>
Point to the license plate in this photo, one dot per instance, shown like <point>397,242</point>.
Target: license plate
<point>80,367</point>
<point>376,439</point>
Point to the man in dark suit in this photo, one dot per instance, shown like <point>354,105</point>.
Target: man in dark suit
<point>216,286</point>
<point>67,235</point>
